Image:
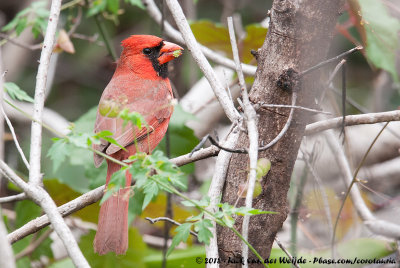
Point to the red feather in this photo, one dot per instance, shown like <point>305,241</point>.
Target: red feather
<point>138,85</point>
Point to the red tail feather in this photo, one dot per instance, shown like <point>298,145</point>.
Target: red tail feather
<point>112,232</point>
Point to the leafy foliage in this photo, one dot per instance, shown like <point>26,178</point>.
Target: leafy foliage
<point>16,93</point>
<point>202,225</point>
<point>34,16</point>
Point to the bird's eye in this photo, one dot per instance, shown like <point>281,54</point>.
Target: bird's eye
<point>147,51</point>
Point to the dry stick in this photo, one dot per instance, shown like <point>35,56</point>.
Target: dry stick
<point>286,251</point>
<point>42,198</point>
<point>152,221</point>
<point>371,118</point>
<point>353,181</point>
<point>323,63</point>
<point>10,126</point>
<point>215,191</point>
<point>34,245</point>
<point>264,105</point>
<point>12,198</point>
<point>155,13</point>
<point>34,190</point>
<point>20,44</point>
<point>330,79</point>
<point>251,121</point>
<point>41,80</point>
<point>201,60</point>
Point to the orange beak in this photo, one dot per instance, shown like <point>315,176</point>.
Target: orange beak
<point>169,52</point>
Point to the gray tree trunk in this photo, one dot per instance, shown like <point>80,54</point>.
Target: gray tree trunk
<point>299,37</point>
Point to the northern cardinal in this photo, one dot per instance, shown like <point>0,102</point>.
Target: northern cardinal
<point>139,84</point>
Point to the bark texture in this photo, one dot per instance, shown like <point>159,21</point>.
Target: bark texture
<point>299,37</point>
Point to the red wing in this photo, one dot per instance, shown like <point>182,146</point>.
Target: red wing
<point>151,99</point>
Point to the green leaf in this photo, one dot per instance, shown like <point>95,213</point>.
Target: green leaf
<point>137,3</point>
<point>58,152</point>
<point>382,35</point>
<point>203,230</point>
<point>150,190</point>
<point>21,25</point>
<point>134,117</point>
<point>97,7</point>
<point>251,211</point>
<point>16,93</point>
<point>113,6</point>
<point>182,234</point>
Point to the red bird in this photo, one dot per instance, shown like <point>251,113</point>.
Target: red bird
<point>139,84</point>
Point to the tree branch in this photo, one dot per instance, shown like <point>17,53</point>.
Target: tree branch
<point>155,13</point>
<point>370,118</point>
<point>95,195</point>
<point>201,60</point>
<point>251,122</point>
<point>43,199</point>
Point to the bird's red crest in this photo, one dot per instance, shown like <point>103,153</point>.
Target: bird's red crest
<point>139,41</point>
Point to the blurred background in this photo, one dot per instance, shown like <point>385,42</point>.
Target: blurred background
<point>82,65</point>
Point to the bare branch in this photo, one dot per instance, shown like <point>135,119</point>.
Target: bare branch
<point>10,126</point>
<point>264,105</point>
<point>152,221</point>
<point>371,118</point>
<point>323,63</point>
<point>20,44</point>
<point>42,198</point>
<point>215,191</point>
<point>251,122</point>
<point>286,252</point>
<point>34,245</point>
<point>13,198</point>
<point>155,13</point>
<point>201,60</point>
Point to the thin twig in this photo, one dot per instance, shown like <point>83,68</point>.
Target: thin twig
<point>353,181</point>
<point>285,127</point>
<point>155,13</point>
<point>33,189</point>
<point>323,63</point>
<point>215,191</point>
<point>286,252</point>
<point>152,221</point>
<point>201,60</point>
<point>264,105</point>
<point>13,198</point>
<point>10,126</point>
<point>359,119</point>
<point>330,79</point>
<point>20,44</point>
<point>34,245</point>
<point>377,226</point>
<point>251,122</point>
